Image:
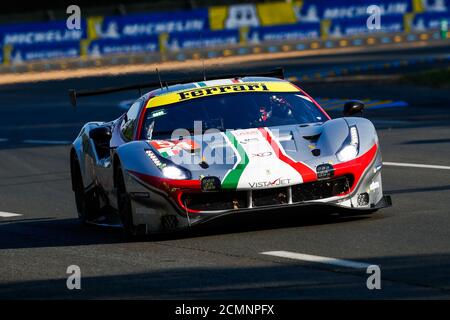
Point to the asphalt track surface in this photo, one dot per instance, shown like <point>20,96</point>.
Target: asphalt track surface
<point>409,241</point>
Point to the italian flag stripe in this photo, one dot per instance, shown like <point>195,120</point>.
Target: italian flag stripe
<point>306,172</point>
<point>231,180</point>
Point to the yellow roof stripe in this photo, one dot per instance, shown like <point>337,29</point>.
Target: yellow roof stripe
<point>189,94</point>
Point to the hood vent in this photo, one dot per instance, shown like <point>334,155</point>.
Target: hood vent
<point>313,138</point>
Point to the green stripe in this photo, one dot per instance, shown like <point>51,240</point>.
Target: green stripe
<point>201,84</point>
<point>232,178</point>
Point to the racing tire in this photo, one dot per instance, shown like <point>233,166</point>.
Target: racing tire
<point>125,208</point>
<point>87,203</point>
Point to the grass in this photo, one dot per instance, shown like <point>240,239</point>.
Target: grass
<point>433,78</point>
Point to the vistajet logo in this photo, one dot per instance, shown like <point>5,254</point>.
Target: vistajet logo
<point>265,184</point>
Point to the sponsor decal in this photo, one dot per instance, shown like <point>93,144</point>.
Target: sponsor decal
<point>248,140</point>
<point>248,132</point>
<point>168,148</point>
<point>324,171</point>
<point>262,154</point>
<point>374,185</point>
<point>265,184</point>
<point>184,95</point>
<point>210,184</point>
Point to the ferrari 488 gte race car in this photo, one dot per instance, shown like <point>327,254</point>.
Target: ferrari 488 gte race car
<point>189,152</point>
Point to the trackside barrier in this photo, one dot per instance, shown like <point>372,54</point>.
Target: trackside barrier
<point>217,31</point>
<point>238,50</point>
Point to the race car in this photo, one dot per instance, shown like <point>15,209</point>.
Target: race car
<point>186,153</point>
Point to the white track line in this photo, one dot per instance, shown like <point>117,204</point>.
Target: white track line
<point>318,259</point>
<point>8,214</point>
<point>415,165</point>
<point>46,141</point>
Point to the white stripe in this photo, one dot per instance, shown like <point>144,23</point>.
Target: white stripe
<point>415,165</point>
<point>280,147</point>
<point>8,214</point>
<point>318,259</point>
<point>46,141</point>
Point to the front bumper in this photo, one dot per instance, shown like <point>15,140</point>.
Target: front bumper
<point>175,222</point>
<point>312,207</point>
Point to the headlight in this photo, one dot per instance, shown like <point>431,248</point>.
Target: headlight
<point>347,153</point>
<point>354,139</point>
<point>351,146</point>
<point>173,172</point>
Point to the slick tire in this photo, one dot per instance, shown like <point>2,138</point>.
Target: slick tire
<point>87,202</point>
<point>125,209</point>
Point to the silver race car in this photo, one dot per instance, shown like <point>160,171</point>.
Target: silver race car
<point>187,153</point>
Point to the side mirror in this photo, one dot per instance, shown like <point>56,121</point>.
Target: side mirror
<point>100,134</point>
<point>352,107</point>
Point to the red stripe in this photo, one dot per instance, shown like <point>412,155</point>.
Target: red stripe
<point>306,172</point>
<point>141,117</point>
<point>173,188</point>
<point>357,166</point>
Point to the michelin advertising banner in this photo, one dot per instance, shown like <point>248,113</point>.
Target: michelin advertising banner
<point>314,11</point>
<point>436,6</point>
<point>299,31</point>
<point>139,25</point>
<point>429,21</point>
<point>34,52</point>
<point>357,26</point>
<point>40,33</point>
<point>199,40</point>
<point>98,48</point>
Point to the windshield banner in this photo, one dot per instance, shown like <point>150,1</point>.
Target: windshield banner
<point>205,91</point>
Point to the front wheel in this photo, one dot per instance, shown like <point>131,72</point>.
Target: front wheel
<point>87,202</point>
<point>125,209</point>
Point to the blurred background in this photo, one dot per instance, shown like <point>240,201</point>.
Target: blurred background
<point>36,36</point>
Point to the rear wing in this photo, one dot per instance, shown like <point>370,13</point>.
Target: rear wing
<point>74,94</point>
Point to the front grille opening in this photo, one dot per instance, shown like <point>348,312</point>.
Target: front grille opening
<point>321,189</point>
<point>229,200</point>
<point>209,201</point>
<point>267,197</point>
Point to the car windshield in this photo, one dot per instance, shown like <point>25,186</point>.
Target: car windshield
<point>231,111</point>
